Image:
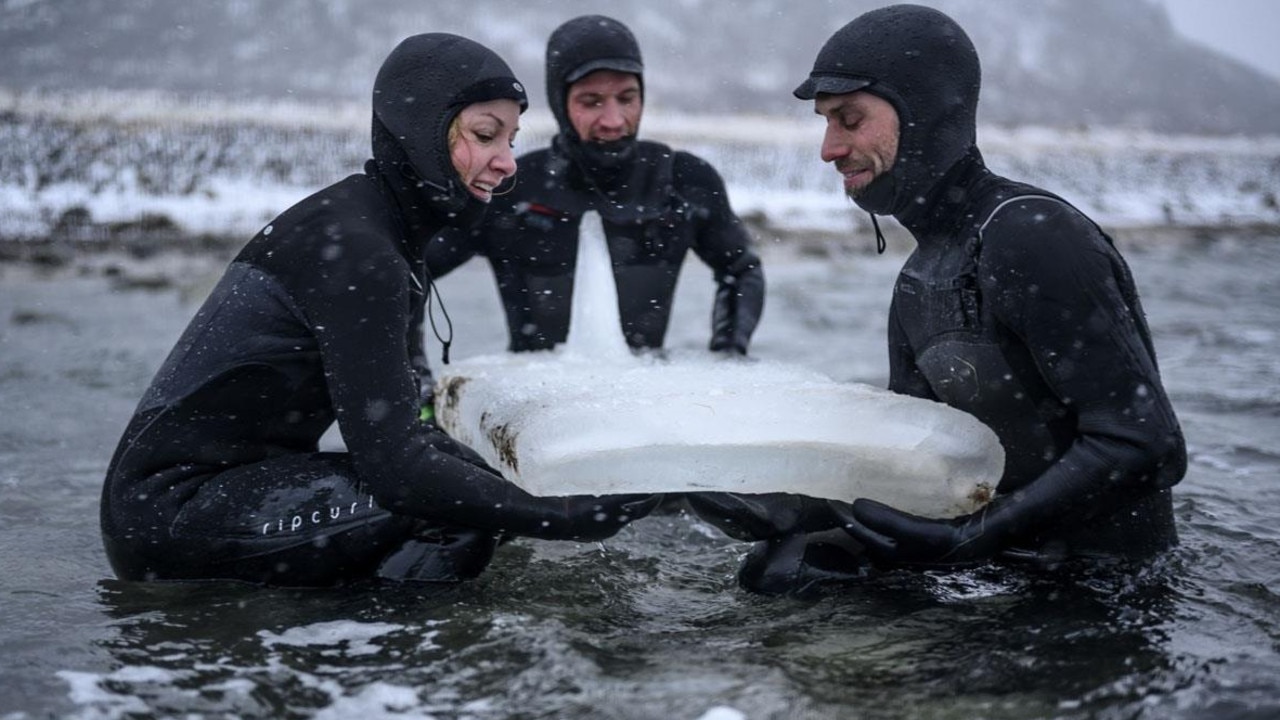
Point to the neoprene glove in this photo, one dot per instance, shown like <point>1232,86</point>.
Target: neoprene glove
<point>585,517</point>
<point>895,538</point>
<point>738,304</point>
<point>1066,494</point>
<point>765,516</point>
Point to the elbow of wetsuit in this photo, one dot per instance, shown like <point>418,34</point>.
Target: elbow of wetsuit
<point>1160,456</point>
<point>738,305</point>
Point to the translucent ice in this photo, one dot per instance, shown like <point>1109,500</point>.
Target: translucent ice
<point>591,418</point>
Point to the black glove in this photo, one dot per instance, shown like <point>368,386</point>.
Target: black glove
<point>1066,495</point>
<point>738,305</point>
<point>581,517</point>
<point>767,515</point>
<point>895,538</point>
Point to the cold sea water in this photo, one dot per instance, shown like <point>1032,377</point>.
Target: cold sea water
<point>649,624</point>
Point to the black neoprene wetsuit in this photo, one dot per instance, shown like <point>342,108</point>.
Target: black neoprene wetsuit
<point>1014,307</point>
<point>530,238</point>
<point>1017,309</point>
<point>656,205</point>
<point>219,475</point>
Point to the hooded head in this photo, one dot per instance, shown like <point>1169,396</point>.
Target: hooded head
<point>576,49</point>
<point>922,63</point>
<point>422,86</point>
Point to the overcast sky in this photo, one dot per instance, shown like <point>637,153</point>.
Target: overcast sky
<point>1248,30</point>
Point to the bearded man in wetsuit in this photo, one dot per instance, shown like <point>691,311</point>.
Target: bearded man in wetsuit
<point>1014,307</point>
<point>656,204</point>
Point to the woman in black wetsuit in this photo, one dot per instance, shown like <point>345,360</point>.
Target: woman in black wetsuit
<point>219,475</point>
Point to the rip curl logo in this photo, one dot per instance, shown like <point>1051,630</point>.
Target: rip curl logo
<point>330,513</point>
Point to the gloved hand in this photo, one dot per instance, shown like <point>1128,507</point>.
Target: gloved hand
<point>738,304</point>
<point>894,538</point>
<point>767,515</point>
<point>587,517</point>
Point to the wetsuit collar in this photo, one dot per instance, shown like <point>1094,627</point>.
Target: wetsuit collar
<point>416,221</point>
<point>633,191</point>
<point>938,216</point>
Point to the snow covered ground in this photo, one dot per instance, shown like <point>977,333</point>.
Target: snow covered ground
<point>102,164</point>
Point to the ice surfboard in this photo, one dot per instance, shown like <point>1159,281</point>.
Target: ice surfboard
<point>589,417</point>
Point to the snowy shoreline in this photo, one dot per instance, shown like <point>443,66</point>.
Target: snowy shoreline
<point>144,170</point>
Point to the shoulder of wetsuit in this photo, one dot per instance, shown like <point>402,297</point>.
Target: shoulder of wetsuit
<point>1035,230</point>
<point>348,216</point>
<point>693,170</point>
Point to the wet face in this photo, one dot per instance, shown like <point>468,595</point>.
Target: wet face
<point>861,138</point>
<point>605,106</point>
<point>480,142</point>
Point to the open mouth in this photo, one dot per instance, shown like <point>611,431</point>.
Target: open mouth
<point>856,177</point>
<point>482,190</point>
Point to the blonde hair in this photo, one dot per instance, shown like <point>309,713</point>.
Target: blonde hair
<point>455,131</point>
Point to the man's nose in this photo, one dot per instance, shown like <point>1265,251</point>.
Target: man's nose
<point>834,145</point>
<point>611,115</point>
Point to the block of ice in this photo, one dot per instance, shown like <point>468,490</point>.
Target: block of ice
<point>557,423</point>
<point>592,418</point>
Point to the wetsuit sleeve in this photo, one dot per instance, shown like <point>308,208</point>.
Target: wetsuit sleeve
<point>723,244</point>
<point>1059,286</point>
<point>1057,283</point>
<point>360,313</point>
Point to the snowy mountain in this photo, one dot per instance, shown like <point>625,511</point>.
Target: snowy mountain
<point>1066,63</point>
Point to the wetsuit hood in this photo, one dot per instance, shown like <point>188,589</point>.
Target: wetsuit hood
<point>421,87</point>
<point>924,64</point>
<point>576,49</point>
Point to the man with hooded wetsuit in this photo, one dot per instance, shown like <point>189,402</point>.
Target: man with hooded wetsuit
<point>1014,307</point>
<point>656,204</point>
<point>219,474</point>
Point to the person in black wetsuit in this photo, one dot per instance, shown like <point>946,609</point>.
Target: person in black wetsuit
<point>1014,307</point>
<point>219,473</point>
<point>656,204</point>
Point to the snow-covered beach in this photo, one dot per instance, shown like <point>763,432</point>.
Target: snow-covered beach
<point>103,166</point>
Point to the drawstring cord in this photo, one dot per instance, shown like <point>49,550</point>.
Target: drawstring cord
<point>880,244</point>
<point>408,171</point>
<point>513,180</point>
<point>434,292</point>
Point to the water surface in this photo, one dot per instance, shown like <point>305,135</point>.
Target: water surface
<point>649,624</point>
